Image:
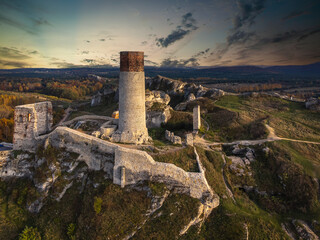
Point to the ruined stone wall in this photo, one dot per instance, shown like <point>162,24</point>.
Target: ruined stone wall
<point>140,166</point>
<point>136,165</point>
<point>31,121</point>
<point>96,153</point>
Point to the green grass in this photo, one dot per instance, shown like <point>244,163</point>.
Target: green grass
<point>304,154</point>
<point>179,121</point>
<point>106,108</point>
<point>230,102</point>
<point>289,119</point>
<point>183,158</point>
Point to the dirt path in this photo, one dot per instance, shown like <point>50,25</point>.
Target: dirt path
<point>66,115</point>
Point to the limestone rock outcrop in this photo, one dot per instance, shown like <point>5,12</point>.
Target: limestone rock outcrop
<point>187,90</point>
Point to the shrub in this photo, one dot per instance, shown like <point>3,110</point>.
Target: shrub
<point>97,204</point>
<point>30,233</point>
<point>71,231</point>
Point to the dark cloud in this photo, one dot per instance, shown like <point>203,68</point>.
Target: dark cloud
<point>191,62</point>
<point>308,34</point>
<point>201,53</point>
<point>40,21</point>
<point>149,62</point>
<point>85,52</point>
<point>248,11</point>
<point>292,47</point>
<point>285,37</point>
<point>87,60</point>
<point>10,64</point>
<point>144,43</point>
<point>17,24</point>
<point>12,53</point>
<point>64,64</point>
<point>102,40</point>
<point>33,52</point>
<point>87,41</point>
<point>294,14</point>
<point>239,37</point>
<point>188,24</point>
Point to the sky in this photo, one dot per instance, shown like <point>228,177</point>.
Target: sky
<point>172,33</point>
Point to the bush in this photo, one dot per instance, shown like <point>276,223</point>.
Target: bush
<point>30,233</point>
<point>97,204</point>
<point>71,231</point>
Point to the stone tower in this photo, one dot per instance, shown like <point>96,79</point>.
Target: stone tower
<point>30,122</point>
<point>132,112</point>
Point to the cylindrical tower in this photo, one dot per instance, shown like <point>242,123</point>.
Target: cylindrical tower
<point>132,111</point>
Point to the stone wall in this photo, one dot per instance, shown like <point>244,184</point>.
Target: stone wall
<point>31,121</point>
<point>140,166</point>
<point>96,153</point>
<point>136,165</point>
<point>196,118</point>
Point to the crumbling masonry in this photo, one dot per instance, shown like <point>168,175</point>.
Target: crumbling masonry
<point>31,121</point>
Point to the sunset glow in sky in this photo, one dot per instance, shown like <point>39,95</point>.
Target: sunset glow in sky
<point>175,33</point>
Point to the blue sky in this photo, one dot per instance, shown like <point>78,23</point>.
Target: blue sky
<point>70,33</point>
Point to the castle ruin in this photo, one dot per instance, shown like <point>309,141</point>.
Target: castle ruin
<point>31,121</point>
<point>123,165</point>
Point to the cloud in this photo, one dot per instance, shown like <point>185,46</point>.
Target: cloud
<point>33,52</point>
<point>149,62</point>
<point>291,47</point>
<point>308,34</point>
<point>85,52</point>
<point>22,15</point>
<point>188,24</point>
<point>87,60</point>
<point>17,24</point>
<point>102,40</point>
<point>239,37</point>
<point>248,11</point>
<point>12,64</point>
<point>294,14</point>
<point>144,43</point>
<point>40,21</point>
<point>191,62</point>
<point>12,53</point>
<point>64,64</point>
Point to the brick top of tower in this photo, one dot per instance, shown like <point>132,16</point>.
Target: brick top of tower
<point>131,61</point>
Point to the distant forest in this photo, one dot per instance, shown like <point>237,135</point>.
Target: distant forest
<point>69,89</point>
